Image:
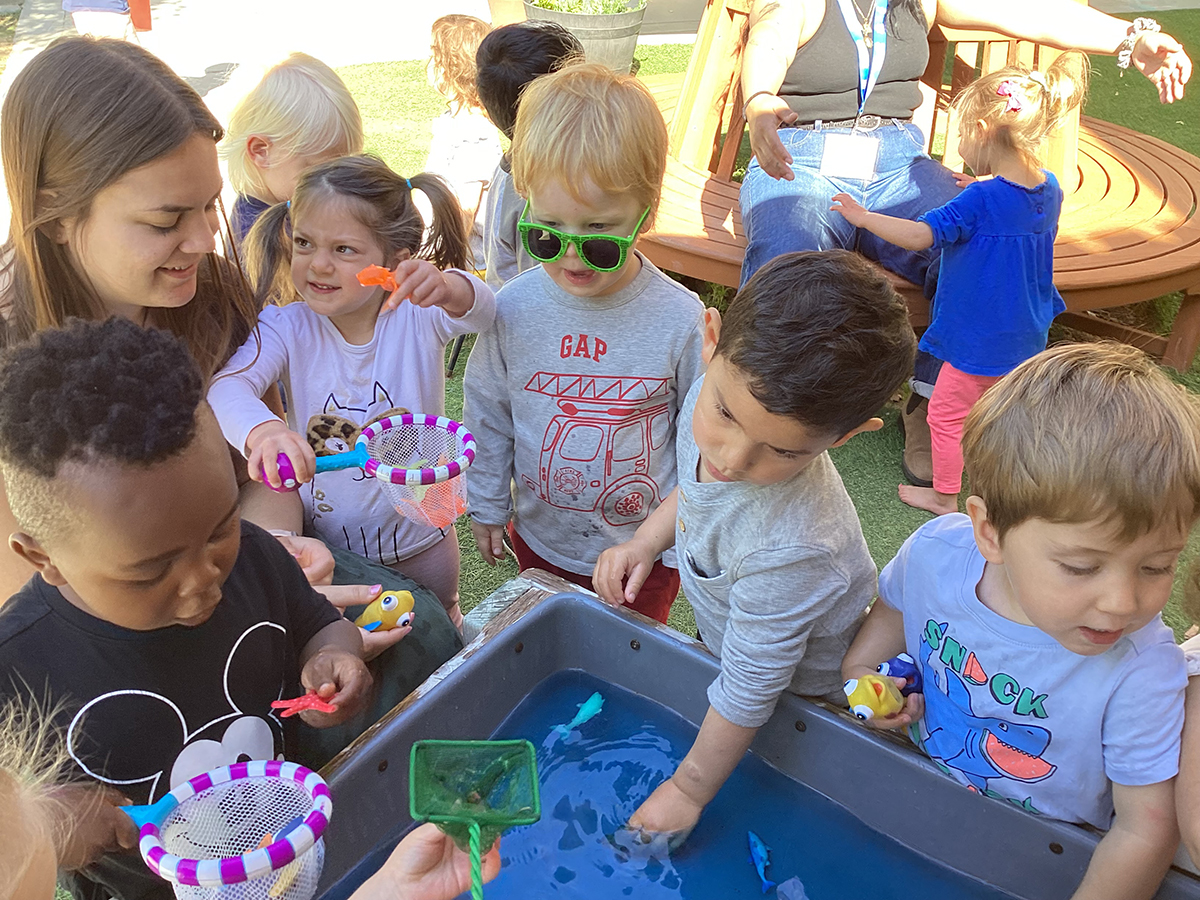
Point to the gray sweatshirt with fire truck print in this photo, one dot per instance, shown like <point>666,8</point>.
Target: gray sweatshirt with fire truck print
<point>573,403</point>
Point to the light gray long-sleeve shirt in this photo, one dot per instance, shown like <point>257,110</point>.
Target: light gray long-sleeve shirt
<point>576,400</point>
<point>779,577</point>
<point>503,251</point>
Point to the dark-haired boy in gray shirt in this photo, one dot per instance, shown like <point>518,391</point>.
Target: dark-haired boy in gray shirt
<point>770,550</point>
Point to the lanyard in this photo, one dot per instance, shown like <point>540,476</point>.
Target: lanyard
<point>870,62</point>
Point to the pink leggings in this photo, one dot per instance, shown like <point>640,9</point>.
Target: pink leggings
<point>953,396</point>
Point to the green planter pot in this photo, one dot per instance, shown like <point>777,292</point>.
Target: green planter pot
<point>608,39</point>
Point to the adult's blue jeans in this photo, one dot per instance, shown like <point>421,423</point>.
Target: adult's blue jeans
<point>783,216</point>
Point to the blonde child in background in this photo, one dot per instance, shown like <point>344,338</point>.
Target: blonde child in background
<point>300,114</point>
<point>465,148</point>
<point>995,295</point>
<point>576,392</point>
<point>39,805</point>
<point>348,355</point>
<point>1050,680</point>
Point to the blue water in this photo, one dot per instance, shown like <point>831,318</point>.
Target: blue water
<point>592,781</point>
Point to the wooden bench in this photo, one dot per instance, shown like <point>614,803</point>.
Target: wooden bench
<point>1129,229</point>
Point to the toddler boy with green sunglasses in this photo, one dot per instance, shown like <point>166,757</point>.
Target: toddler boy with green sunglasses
<point>575,392</point>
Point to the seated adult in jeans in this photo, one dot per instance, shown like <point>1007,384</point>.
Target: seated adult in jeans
<point>812,68</point>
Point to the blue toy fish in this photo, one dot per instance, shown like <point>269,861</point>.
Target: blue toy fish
<point>903,666</point>
<point>760,856</point>
<point>588,710</point>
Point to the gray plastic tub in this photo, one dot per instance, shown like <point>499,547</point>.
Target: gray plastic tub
<point>873,778</point>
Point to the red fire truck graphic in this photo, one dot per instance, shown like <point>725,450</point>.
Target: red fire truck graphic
<point>596,454</point>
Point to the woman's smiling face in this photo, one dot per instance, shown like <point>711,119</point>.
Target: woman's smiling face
<point>143,237</point>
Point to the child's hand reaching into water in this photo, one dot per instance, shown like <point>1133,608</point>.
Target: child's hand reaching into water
<point>332,665</point>
<point>424,284</point>
<point>667,811</point>
<point>266,441</point>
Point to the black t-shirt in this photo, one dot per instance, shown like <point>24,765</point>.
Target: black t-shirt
<point>146,710</point>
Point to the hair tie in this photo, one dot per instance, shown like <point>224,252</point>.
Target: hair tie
<point>409,183</point>
<point>288,203</point>
<point>1012,91</point>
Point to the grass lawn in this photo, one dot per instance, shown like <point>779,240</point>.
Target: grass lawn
<point>8,33</point>
<point>397,107</point>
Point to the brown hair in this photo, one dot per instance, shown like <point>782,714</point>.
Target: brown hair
<point>1042,100</point>
<point>382,201</point>
<point>453,43</point>
<point>587,123</point>
<point>820,337</point>
<point>80,116</point>
<point>1083,432</point>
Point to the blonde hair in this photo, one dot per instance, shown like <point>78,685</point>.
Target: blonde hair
<point>1083,432</point>
<point>303,108</point>
<point>1021,107</point>
<point>587,123</point>
<point>453,43</point>
<point>33,761</point>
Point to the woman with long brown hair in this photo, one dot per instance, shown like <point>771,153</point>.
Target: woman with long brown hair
<point>111,167</point>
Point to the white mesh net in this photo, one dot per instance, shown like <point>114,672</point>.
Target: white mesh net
<point>233,818</point>
<point>419,447</point>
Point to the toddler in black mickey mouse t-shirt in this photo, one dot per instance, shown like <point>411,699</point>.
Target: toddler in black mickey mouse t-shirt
<point>161,624</point>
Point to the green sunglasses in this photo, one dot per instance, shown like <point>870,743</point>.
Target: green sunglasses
<point>602,252</point>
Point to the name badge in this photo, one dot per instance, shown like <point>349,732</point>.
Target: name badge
<point>849,156</point>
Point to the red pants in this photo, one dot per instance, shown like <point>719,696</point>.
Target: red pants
<point>653,600</point>
<point>953,396</point>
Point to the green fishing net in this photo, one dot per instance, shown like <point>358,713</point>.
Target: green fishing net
<point>474,790</point>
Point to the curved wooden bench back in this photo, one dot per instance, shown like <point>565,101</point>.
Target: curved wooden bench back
<point>1129,230</point>
<point>704,115</point>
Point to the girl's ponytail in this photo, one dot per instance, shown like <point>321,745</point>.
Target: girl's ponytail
<point>1022,108</point>
<point>268,262</point>
<point>1066,84</point>
<point>446,243</point>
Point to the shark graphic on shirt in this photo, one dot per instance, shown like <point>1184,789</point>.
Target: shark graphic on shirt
<point>979,748</point>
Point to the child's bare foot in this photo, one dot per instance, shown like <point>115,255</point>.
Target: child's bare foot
<point>928,499</point>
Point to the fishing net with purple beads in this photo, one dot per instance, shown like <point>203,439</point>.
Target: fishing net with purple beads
<point>208,847</point>
<point>419,461</point>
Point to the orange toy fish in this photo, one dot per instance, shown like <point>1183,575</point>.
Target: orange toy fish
<point>373,274</point>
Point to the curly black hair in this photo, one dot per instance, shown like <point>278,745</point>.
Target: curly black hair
<point>96,390</point>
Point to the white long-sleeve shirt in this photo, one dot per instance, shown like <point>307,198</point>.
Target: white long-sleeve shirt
<point>332,389</point>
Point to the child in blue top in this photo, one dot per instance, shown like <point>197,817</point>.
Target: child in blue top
<point>1049,679</point>
<point>995,296</point>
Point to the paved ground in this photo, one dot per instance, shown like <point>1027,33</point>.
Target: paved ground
<point>222,46</point>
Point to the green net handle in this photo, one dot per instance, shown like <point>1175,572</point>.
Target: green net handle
<point>476,864</point>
